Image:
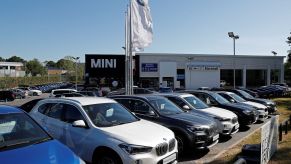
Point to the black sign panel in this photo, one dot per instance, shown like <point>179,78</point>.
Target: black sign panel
<point>109,66</point>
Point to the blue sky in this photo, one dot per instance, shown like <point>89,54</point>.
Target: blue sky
<point>53,29</point>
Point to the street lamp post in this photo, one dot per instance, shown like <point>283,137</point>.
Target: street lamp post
<point>76,60</point>
<point>234,37</point>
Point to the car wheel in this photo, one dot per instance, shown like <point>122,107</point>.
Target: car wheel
<point>181,143</point>
<point>34,94</point>
<point>107,157</point>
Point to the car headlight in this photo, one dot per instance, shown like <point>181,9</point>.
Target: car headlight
<point>222,119</point>
<point>198,129</point>
<point>247,112</point>
<point>135,149</point>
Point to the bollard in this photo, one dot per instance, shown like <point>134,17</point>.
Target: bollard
<point>280,132</point>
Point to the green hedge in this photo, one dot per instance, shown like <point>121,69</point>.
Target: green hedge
<point>10,82</point>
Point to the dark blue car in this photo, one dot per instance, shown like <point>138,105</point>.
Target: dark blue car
<point>22,140</point>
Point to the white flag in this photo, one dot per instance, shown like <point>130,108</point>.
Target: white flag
<point>142,25</point>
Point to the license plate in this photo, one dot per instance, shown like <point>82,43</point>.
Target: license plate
<point>236,126</point>
<point>170,158</point>
<point>215,137</point>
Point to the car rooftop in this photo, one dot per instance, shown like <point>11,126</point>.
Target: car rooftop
<point>5,109</point>
<point>147,96</point>
<point>84,100</point>
<point>175,94</point>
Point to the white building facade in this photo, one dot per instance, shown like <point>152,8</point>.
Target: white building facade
<point>12,69</point>
<point>192,71</point>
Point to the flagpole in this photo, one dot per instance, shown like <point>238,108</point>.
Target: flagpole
<point>130,51</point>
<point>126,50</point>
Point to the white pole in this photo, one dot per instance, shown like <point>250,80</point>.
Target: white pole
<point>130,52</point>
<point>126,51</point>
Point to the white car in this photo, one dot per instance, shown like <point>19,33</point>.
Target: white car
<point>34,92</point>
<point>193,104</point>
<point>262,109</point>
<point>55,92</point>
<point>100,130</point>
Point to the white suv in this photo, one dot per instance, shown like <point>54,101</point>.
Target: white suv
<point>55,92</point>
<point>100,130</point>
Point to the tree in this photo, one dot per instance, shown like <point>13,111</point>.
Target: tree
<point>2,59</point>
<point>15,59</point>
<point>35,67</point>
<point>50,64</point>
<point>66,63</point>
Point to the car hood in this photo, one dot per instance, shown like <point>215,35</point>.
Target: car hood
<point>257,105</point>
<point>191,119</point>
<point>140,133</point>
<point>237,106</point>
<point>223,113</point>
<point>265,101</point>
<point>45,153</point>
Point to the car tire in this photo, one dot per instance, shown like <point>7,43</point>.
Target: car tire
<point>34,94</point>
<point>107,157</point>
<point>181,143</point>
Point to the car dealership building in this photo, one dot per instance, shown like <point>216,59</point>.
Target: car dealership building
<point>189,71</point>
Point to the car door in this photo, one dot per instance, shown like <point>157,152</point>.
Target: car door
<point>178,102</point>
<point>75,138</point>
<point>39,114</point>
<point>54,121</point>
<point>143,110</point>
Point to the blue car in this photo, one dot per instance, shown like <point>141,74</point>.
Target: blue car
<point>23,141</point>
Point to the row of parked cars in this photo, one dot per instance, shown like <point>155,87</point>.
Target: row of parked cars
<point>24,91</point>
<point>140,128</point>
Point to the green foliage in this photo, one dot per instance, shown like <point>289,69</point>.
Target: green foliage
<point>35,67</point>
<point>15,59</point>
<point>11,82</point>
<point>2,59</point>
<point>51,64</point>
<point>287,72</point>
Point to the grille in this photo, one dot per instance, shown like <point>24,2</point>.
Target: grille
<point>172,144</point>
<point>162,149</point>
<point>234,120</point>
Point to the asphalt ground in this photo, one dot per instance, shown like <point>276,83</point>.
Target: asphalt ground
<point>196,156</point>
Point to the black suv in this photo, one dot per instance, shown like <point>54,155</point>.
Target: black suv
<point>246,115</point>
<point>269,103</point>
<point>191,131</point>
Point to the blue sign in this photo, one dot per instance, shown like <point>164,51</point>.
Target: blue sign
<point>149,67</point>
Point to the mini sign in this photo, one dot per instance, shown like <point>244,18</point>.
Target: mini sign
<point>149,67</point>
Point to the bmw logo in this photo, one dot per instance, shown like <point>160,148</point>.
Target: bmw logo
<point>140,2</point>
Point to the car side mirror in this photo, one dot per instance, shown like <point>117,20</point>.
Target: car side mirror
<point>152,113</point>
<point>232,100</point>
<point>79,123</point>
<point>186,107</point>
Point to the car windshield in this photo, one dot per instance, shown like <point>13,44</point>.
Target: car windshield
<point>237,97</point>
<point>18,130</point>
<point>165,106</point>
<point>245,94</point>
<point>109,114</point>
<point>219,98</point>
<point>195,102</point>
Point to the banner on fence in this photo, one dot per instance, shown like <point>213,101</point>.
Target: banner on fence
<point>269,139</point>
